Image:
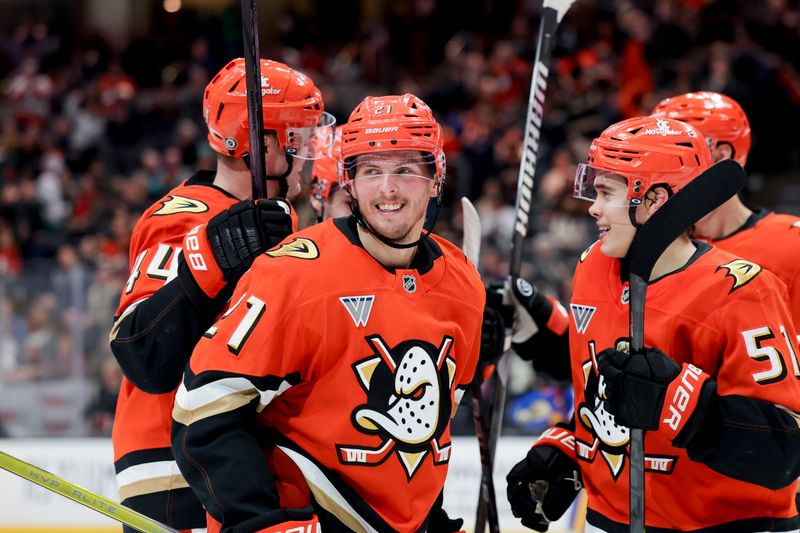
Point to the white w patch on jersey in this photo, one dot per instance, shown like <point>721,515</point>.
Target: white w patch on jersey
<point>582,315</point>
<point>359,308</point>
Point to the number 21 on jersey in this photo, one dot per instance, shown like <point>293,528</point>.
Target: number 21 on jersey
<point>255,310</point>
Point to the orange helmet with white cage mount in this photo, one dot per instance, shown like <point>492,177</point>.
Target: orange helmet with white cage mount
<point>647,151</point>
<point>391,124</point>
<point>291,103</point>
<point>720,118</point>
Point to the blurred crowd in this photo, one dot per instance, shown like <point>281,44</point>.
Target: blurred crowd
<point>92,132</point>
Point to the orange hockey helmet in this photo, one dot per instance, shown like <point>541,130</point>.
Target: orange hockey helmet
<point>720,118</point>
<point>292,107</point>
<point>392,123</point>
<point>647,151</point>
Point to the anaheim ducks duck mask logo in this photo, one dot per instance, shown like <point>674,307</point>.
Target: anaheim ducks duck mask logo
<point>612,438</point>
<point>408,403</point>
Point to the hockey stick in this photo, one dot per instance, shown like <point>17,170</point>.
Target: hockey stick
<point>255,113</point>
<point>699,197</point>
<point>495,386</point>
<point>472,247</point>
<point>481,411</point>
<point>93,501</point>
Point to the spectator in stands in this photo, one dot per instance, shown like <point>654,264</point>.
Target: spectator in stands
<point>100,412</point>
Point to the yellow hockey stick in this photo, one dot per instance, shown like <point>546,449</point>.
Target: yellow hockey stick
<point>102,505</point>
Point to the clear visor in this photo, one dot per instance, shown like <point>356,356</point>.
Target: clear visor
<point>312,142</point>
<point>593,184</point>
<point>407,164</point>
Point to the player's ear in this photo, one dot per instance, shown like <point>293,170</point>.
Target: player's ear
<point>270,141</point>
<point>655,198</point>
<point>661,195</point>
<point>722,151</point>
<point>438,183</point>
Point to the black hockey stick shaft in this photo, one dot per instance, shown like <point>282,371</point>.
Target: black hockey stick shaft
<point>699,197</point>
<point>494,387</point>
<point>255,113</point>
<point>487,503</point>
<point>552,13</point>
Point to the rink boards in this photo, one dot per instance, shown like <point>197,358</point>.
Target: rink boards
<point>28,508</point>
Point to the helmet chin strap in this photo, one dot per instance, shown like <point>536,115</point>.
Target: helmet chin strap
<point>283,184</point>
<point>399,246</point>
<point>632,216</point>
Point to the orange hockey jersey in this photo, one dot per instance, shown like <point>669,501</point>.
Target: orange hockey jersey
<point>773,241</point>
<point>728,317</point>
<point>147,476</point>
<point>356,371</point>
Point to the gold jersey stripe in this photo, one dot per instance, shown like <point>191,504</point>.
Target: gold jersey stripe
<point>149,486</point>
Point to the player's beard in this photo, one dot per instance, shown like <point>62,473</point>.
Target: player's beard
<point>408,229</point>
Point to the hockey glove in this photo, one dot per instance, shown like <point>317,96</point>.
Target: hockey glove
<point>493,329</point>
<point>220,251</point>
<point>534,311</point>
<point>651,391</point>
<point>279,521</point>
<point>542,486</point>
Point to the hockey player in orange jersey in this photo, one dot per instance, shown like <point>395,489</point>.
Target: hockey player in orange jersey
<point>733,226</point>
<point>327,199</point>
<point>323,397</point>
<point>717,387</point>
<point>165,306</point>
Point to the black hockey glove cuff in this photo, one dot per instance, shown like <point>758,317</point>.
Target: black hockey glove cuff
<point>204,304</point>
<point>651,391</point>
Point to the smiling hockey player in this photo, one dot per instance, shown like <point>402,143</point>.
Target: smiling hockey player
<point>324,395</point>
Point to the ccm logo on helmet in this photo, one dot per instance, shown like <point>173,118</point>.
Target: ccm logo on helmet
<point>369,131</point>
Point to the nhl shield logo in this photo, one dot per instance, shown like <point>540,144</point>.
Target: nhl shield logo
<point>409,284</point>
<point>626,295</point>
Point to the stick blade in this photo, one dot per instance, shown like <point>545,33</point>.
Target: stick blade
<point>699,197</point>
<point>472,231</point>
<point>560,6</point>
